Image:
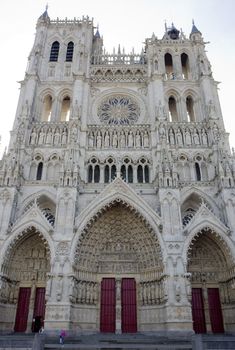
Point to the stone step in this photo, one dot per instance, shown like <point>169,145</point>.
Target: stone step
<point>213,342</point>
<point>118,347</point>
<point>117,342</point>
<point>16,341</point>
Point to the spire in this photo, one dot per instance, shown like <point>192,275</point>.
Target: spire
<point>194,29</point>
<point>97,34</point>
<point>44,16</point>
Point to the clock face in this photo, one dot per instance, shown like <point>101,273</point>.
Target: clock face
<point>118,110</point>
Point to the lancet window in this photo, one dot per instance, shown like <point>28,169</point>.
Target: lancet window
<point>65,109</point>
<point>46,108</point>
<point>127,171</point>
<point>143,171</point>
<point>169,66</point>
<point>110,170</point>
<point>93,171</point>
<point>69,53</point>
<point>173,114</point>
<point>39,171</point>
<point>185,65</point>
<point>55,48</point>
<point>190,109</point>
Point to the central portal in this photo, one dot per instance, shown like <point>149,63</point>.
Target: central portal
<point>117,256</point>
<point>110,302</point>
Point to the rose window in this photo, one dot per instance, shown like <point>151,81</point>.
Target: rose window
<point>118,110</point>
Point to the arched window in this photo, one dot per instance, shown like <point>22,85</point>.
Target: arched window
<point>140,177</point>
<point>110,170</point>
<point>55,47</point>
<point>123,172</point>
<point>65,109</point>
<point>113,172</point>
<point>69,53</point>
<point>130,174</point>
<point>106,174</point>
<point>198,172</point>
<point>185,65</point>
<point>146,174</point>
<point>169,66</point>
<point>97,174</point>
<point>93,171</point>
<point>39,171</point>
<point>90,173</point>
<point>173,115</point>
<point>46,108</point>
<point>190,109</point>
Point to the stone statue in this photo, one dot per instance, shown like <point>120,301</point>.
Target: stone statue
<point>146,139</point>
<point>204,137</point>
<point>115,140</point>
<point>196,137</point>
<point>130,140</point>
<point>49,137</point>
<point>171,137</point>
<point>187,136</point>
<point>179,137</point>
<point>64,137</point>
<point>98,140</point>
<point>33,137</point>
<point>106,140</point>
<point>91,140</point>
<point>56,137</point>
<point>41,137</point>
<point>122,140</point>
<point>137,140</point>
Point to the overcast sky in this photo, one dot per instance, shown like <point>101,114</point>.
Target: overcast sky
<point>124,22</point>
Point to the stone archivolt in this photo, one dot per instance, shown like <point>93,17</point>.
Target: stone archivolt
<point>26,263</point>
<point>118,239</point>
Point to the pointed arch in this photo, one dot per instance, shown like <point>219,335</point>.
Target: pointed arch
<point>20,234</point>
<point>219,234</point>
<point>202,194</point>
<point>42,193</point>
<point>117,192</point>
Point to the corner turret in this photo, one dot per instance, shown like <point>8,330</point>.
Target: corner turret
<point>195,34</point>
<point>44,17</point>
<point>97,43</point>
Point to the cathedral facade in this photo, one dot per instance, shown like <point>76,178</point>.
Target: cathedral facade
<point>117,190</point>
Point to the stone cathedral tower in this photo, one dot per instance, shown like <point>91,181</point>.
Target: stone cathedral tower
<point>117,191</point>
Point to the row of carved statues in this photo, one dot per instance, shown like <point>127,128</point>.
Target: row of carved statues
<point>118,139</point>
<point>152,293</point>
<point>137,138</point>
<point>53,135</point>
<point>184,136</point>
<point>8,291</point>
<point>83,292</point>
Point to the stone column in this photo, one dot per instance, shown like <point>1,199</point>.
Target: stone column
<point>118,307</point>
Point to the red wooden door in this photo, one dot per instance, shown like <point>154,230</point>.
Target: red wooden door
<point>199,324</point>
<point>39,309</point>
<point>22,310</point>
<point>129,315</point>
<point>215,310</point>
<point>108,305</point>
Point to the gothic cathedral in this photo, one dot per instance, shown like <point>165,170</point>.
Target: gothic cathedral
<point>117,197</point>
